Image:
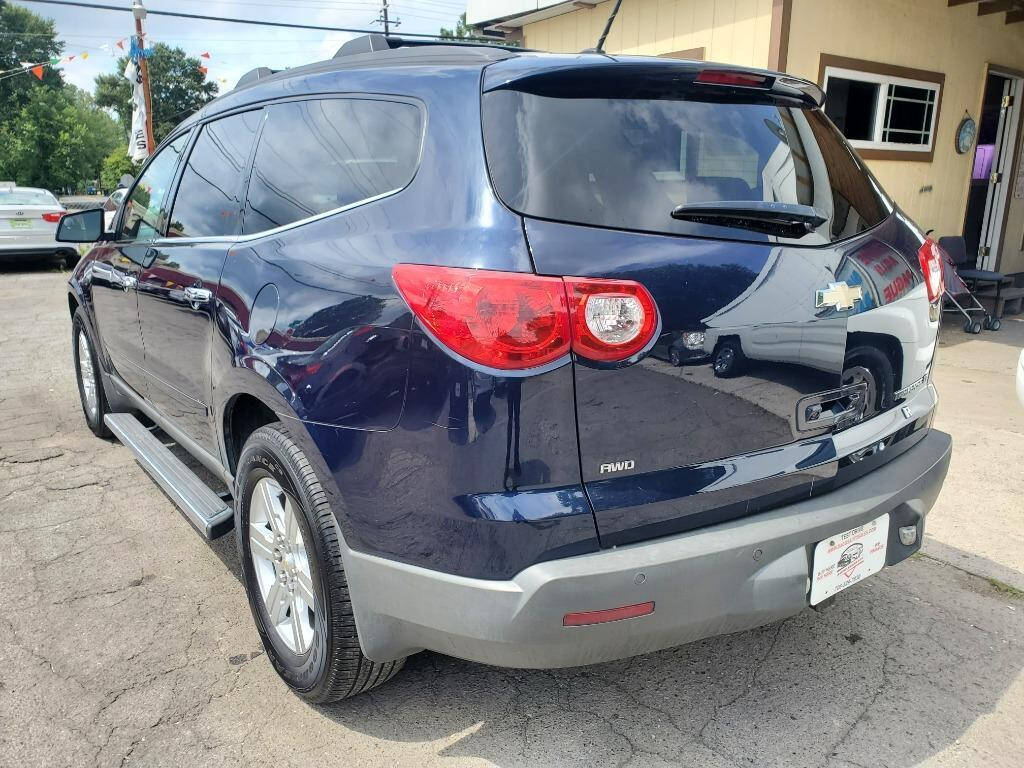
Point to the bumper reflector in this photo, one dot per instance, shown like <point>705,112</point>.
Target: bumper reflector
<point>609,614</point>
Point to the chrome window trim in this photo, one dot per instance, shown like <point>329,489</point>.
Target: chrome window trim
<point>276,230</point>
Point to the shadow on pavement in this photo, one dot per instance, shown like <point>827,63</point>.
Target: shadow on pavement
<point>897,671</point>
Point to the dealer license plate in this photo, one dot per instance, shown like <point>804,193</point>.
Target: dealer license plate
<point>20,224</point>
<point>842,560</point>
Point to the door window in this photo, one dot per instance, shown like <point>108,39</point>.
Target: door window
<point>208,201</point>
<point>143,208</point>
<point>318,155</point>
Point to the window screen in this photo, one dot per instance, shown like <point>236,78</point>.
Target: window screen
<point>316,156</point>
<point>208,201</point>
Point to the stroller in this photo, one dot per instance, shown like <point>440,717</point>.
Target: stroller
<point>954,254</point>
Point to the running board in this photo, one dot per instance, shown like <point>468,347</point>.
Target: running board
<point>201,505</point>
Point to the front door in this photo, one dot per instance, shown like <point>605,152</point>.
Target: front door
<point>178,285</point>
<point>116,269</point>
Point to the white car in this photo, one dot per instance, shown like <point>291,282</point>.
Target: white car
<point>28,224</point>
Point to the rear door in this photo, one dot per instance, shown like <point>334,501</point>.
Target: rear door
<point>178,283</point>
<point>734,409</point>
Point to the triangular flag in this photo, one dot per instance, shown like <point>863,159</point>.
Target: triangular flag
<point>120,44</point>
<point>38,71</point>
<point>54,62</point>
<point>205,54</point>
<point>85,55</point>
<point>203,69</point>
<point>71,58</point>
<point>26,64</point>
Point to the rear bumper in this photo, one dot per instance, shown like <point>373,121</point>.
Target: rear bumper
<point>705,582</point>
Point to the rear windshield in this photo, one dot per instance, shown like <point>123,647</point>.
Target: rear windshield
<point>626,163</point>
<point>26,197</point>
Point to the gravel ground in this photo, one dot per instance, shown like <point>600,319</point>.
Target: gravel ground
<point>125,638</point>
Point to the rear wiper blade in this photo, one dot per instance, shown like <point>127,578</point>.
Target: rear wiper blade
<point>782,219</point>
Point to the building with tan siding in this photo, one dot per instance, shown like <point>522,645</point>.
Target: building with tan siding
<point>901,77</point>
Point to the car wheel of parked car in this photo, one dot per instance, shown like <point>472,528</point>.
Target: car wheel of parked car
<point>70,258</point>
<point>675,357</point>
<point>87,372</point>
<point>729,359</point>
<point>873,368</point>
<point>289,545</point>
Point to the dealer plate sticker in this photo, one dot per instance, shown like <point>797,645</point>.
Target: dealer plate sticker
<point>20,224</point>
<point>842,560</point>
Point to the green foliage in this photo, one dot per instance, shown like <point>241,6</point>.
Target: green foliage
<point>116,165</point>
<point>463,30</point>
<point>177,86</point>
<point>52,135</point>
<point>24,36</point>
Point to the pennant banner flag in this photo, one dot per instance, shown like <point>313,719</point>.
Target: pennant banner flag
<point>38,71</point>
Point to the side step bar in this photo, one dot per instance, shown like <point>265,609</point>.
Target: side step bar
<point>201,505</point>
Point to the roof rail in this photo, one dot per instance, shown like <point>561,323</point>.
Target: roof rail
<point>253,75</point>
<point>379,42</point>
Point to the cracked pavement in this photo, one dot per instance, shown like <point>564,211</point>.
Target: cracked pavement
<point>126,639</point>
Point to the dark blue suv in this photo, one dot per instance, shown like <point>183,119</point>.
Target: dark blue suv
<point>530,359</point>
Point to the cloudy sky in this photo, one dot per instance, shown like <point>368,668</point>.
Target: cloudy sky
<point>234,48</point>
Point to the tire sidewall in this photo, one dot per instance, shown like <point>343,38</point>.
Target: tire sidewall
<point>80,328</point>
<point>307,672</point>
<point>881,368</point>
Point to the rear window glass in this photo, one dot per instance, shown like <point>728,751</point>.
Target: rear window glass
<point>626,163</point>
<point>24,197</point>
<point>318,155</point>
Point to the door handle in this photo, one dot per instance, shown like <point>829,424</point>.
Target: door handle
<point>197,296</point>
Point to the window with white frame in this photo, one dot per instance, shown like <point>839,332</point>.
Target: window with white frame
<point>878,111</point>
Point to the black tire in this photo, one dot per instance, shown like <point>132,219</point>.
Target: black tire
<point>873,366</point>
<point>675,357</point>
<point>93,417</point>
<point>991,323</point>
<point>976,327</point>
<point>728,360</point>
<point>334,666</point>
<point>70,258</point>
<point>968,325</point>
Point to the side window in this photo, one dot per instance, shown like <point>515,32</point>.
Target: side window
<point>318,155</point>
<point>208,201</point>
<point>142,210</point>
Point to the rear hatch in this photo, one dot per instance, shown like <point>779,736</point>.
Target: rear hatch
<point>760,236</point>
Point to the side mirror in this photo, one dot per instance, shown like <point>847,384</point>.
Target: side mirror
<point>81,227</point>
<point>126,181</point>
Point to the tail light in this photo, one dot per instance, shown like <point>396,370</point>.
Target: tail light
<point>612,320</point>
<point>930,257</point>
<point>513,321</point>
<point>54,217</point>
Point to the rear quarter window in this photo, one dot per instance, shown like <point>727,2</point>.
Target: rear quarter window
<point>625,163</point>
<point>319,155</point>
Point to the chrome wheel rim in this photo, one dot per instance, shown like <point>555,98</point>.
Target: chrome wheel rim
<point>87,377</point>
<point>281,564</point>
<point>724,359</point>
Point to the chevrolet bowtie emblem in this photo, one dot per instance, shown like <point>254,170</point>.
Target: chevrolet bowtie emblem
<point>838,295</point>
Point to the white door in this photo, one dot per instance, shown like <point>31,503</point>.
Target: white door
<point>1000,181</point>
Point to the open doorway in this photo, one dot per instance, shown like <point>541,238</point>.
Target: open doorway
<point>990,175</point>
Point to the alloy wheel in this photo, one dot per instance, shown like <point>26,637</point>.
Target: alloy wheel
<point>87,375</point>
<point>281,563</point>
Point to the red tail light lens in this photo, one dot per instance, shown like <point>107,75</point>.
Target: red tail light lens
<point>728,77</point>
<point>514,321</point>
<point>612,320</point>
<point>930,257</point>
<point>504,320</point>
<point>53,218</point>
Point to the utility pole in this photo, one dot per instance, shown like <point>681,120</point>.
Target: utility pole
<point>383,19</point>
<point>139,11</point>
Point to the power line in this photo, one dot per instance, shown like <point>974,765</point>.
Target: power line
<point>180,15</point>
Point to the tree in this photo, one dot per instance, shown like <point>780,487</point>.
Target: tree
<point>44,145</point>
<point>177,85</point>
<point>116,165</point>
<point>24,36</point>
<point>463,30</point>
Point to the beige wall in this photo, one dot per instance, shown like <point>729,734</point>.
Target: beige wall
<point>929,35</point>
<point>736,31</point>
